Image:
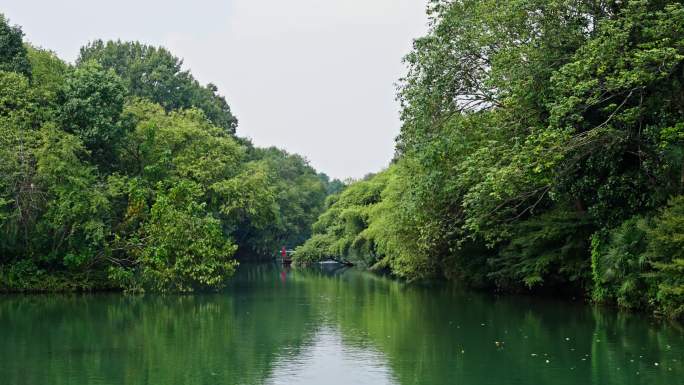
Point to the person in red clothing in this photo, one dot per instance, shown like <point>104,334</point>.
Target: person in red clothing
<point>283,252</point>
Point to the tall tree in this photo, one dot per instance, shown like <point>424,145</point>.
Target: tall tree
<point>90,104</point>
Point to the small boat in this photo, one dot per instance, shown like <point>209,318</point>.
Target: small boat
<point>286,256</point>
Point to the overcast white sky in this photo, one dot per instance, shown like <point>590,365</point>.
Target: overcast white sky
<point>314,77</point>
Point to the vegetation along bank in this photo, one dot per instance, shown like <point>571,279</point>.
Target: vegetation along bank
<point>542,150</point>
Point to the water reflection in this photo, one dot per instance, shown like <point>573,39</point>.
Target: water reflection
<point>334,326</point>
<point>329,361</point>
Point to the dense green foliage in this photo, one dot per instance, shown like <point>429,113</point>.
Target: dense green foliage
<point>341,230</point>
<point>124,172</point>
<point>541,141</point>
<point>155,74</point>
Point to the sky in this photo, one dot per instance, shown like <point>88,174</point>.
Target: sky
<point>314,77</point>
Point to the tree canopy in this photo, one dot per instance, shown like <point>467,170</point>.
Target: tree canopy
<point>155,74</point>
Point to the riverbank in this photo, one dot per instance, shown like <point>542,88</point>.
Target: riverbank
<point>27,278</point>
<point>30,280</point>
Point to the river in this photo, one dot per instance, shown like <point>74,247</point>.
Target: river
<point>329,326</point>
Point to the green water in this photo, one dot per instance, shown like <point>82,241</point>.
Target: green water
<point>328,327</point>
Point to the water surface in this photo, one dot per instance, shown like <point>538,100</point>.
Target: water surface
<point>327,326</point>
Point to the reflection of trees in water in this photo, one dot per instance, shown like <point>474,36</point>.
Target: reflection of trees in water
<point>434,335</point>
<point>141,340</point>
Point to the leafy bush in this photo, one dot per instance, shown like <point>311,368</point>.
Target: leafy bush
<point>179,248</point>
<point>666,252</point>
<point>620,263</point>
<point>640,264</point>
<point>549,250</point>
<point>316,249</point>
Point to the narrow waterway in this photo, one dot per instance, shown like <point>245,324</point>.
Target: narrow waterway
<point>327,326</point>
